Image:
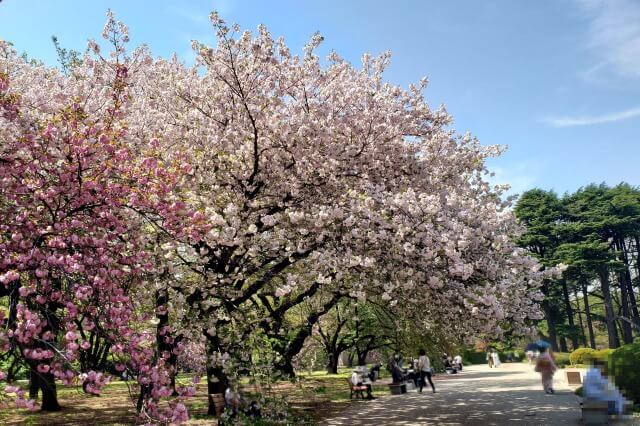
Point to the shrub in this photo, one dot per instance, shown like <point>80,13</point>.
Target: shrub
<point>603,354</point>
<point>623,365</point>
<point>581,356</point>
<point>562,359</point>
<point>473,357</point>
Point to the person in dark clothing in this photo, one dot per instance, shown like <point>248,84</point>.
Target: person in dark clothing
<point>396,371</point>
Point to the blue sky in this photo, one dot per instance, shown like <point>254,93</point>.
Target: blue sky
<point>556,80</point>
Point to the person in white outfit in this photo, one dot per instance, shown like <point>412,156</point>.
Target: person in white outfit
<point>597,388</point>
<point>496,358</point>
<point>424,366</point>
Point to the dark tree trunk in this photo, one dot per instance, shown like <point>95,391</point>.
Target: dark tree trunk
<point>625,326</point>
<point>49,392</point>
<point>332,363</point>
<point>553,336</point>
<point>569,311</point>
<point>587,314</point>
<point>583,336</point>
<point>629,285</point>
<point>563,344</point>
<point>362,357</point>
<point>34,383</point>
<point>217,380</point>
<point>289,349</point>
<point>608,308</point>
<point>637,240</point>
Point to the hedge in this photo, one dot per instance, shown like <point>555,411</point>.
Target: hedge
<point>624,365</point>
<point>562,359</point>
<point>581,356</point>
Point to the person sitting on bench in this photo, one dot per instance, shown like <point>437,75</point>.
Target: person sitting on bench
<point>596,387</point>
<point>357,381</point>
<point>374,373</point>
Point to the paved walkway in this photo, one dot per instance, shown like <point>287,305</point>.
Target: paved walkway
<point>509,395</point>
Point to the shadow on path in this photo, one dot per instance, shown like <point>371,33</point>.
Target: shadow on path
<point>510,395</point>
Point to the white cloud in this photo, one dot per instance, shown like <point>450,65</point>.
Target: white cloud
<point>595,119</point>
<point>614,36</point>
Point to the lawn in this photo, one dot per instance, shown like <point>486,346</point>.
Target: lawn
<point>315,396</point>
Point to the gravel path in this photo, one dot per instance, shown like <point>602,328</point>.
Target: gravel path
<point>508,395</point>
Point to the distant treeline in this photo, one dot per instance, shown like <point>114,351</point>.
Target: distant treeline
<point>596,232</point>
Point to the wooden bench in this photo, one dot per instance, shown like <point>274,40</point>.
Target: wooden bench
<point>356,390</point>
<point>219,404</point>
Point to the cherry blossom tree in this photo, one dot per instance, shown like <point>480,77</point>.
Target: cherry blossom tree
<point>312,176</point>
<point>153,210</point>
<point>72,244</point>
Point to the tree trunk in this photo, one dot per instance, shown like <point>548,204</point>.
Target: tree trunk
<point>362,357</point>
<point>563,344</point>
<point>625,326</point>
<point>34,383</point>
<point>49,392</point>
<point>332,364</point>
<point>217,380</point>
<point>587,314</point>
<point>608,308</point>
<point>569,311</point>
<point>583,336</point>
<point>629,284</point>
<point>553,337</point>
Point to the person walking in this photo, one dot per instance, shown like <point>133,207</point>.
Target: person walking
<point>496,358</point>
<point>547,368</point>
<point>490,359</point>
<point>424,366</point>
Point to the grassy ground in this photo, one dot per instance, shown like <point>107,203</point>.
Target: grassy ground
<point>315,396</point>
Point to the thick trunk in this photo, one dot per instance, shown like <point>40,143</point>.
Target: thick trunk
<point>362,357</point>
<point>286,368</point>
<point>569,310</point>
<point>49,392</point>
<point>587,314</point>
<point>34,383</point>
<point>610,316</point>
<point>217,380</point>
<point>332,363</point>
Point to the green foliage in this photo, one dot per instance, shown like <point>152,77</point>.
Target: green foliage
<point>562,359</point>
<point>68,59</point>
<point>473,357</point>
<point>623,365</point>
<point>603,354</point>
<point>581,356</point>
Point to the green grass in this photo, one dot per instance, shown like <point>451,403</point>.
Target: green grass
<point>313,396</point>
